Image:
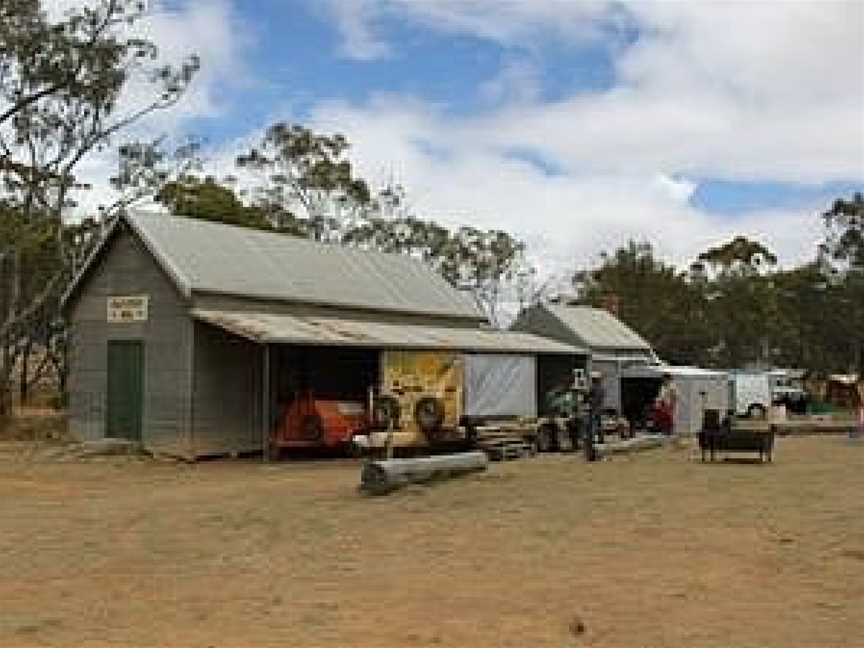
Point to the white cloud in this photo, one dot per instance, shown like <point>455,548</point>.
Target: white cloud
<point>761,91</point>
<point>566,219</point>
<point>767,91</point>
<point>354,21</point>
<point>511,22</point>
<point>518,82</point>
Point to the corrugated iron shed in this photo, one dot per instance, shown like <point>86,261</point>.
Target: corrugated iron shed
<point>206,257</point>
<point>599,329</point>
<point>332,331</point>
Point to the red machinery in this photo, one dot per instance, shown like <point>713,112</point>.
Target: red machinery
<point>309,422</point>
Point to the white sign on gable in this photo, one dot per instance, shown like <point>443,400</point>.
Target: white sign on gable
<point>129,308</point>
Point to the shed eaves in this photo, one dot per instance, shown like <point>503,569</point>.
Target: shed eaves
<point>215,258</point>
<point>598,329</point>
<point>331,331</point>
<point>658,371</point>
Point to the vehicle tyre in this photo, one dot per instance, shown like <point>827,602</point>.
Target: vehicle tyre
<point>429,414</point>
<point>757,411</point>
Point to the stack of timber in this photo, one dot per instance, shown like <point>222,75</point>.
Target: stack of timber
<point>382,477</point>
<point>501,443</point>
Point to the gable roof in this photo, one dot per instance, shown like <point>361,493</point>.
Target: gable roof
<point>598,329</point>
<point>202,256</point>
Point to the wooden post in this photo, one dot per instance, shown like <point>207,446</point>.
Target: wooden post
<point>265,403</point>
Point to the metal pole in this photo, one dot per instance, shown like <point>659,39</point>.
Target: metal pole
<point>265,403</point>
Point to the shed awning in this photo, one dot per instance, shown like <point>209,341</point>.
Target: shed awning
<point>333,331</point>
<point>658,371</point>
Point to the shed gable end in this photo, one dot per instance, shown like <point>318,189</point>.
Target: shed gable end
<point>124,268</point>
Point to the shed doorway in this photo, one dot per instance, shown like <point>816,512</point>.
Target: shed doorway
<point>125,389</point>
<point>319,395</point>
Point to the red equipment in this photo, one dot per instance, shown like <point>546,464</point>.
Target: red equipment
<point>662,418</point>
<point>308,422</point>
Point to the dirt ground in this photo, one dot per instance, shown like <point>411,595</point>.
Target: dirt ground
<point>647,551</point>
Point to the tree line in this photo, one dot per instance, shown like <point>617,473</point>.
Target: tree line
<point>733,307</point>
<point>62,102</point>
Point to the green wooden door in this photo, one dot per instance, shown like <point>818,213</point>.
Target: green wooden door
<point>125,389</point>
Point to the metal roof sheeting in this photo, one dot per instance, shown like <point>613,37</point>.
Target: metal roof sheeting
<point>597,328</point>
<point>211,257</point>
<point>331,331</point>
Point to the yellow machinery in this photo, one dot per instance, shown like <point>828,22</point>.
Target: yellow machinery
<point>425,391</point>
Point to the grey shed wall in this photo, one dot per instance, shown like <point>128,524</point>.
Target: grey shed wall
<point>227,407</point>
<point>540,321</point>
<point>126,268</point>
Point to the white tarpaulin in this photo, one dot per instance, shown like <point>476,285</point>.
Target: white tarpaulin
<point>500,385</point>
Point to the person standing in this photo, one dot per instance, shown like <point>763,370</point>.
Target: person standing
<point>596,400</point>
<point>666,405</point>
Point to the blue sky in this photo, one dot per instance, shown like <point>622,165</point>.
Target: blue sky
<point>298,61</point>
<point>576,126</point>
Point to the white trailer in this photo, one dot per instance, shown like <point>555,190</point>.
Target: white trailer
<point>750,392</point>
<point>698,390</point>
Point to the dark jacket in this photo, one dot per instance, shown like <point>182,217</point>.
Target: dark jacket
<point>597,398</point>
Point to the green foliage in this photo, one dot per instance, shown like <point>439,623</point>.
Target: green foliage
<point>60,85</point>
<point>745,311</point>
<point>655,299</point>
<point>739,255</point>
<point>307,180</point>
<point>845,225</point>
<point>208,200</point>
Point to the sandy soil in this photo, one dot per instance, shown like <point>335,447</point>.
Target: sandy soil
<point>648,551</point>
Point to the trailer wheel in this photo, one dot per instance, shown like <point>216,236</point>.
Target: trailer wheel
<point>429,414</point>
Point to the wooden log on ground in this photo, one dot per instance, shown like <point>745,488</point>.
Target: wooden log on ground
<point>635,444</point>
<point>382,477</point>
